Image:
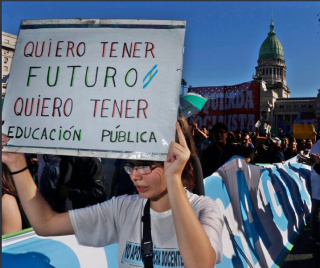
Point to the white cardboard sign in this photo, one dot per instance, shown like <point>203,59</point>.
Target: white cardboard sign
<point>107,88</point>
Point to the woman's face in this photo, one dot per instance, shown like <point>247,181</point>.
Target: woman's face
<point>151,185</point>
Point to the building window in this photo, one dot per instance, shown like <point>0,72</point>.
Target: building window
<point>5,60</point>
<point>5,68</point>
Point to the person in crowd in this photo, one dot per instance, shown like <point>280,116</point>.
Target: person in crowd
<point>302,146</point>
<point>43,160</point>
<point>291,150</point>
<point>313,159</point>
<point>246,150</point>
<point>259,148</point>
<point>199,136</point>
<point>309,144</point>
<point>238,134</point>
<point>274,152</point>
<point>232,138</point>
<point>284,143</point>
<point>250,139</point>
<point>182,222</point>
<point>219,151</point>
<point>253,137</point>
<point>81,183</point>
<point>280,133</point>
<point>206,142</point>
<point>204,129</point>
<point>12,215</point>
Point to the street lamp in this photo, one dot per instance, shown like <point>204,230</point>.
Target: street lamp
<point>183,85</point>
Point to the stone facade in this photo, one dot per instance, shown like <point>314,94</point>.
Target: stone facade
<point>276,106</point>
<point>8,46</point>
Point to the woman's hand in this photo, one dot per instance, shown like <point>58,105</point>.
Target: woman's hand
<point>5,140</point>
<point>178,156</point>
<point>14,161</point>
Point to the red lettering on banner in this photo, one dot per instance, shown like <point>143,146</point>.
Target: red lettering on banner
<point>237,106</point>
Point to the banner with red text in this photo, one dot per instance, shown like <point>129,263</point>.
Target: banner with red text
<point>106,88</point>
<point>237,106</point>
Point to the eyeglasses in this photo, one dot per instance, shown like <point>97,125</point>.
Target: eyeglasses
<point>143,170</point>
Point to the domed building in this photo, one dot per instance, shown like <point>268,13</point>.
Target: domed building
<point>276,106</point>
<point>271,64</point>
<point>272,106</point>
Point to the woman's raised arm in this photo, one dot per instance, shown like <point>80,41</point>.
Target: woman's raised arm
<point>194,244</point>
<point>44,220</point>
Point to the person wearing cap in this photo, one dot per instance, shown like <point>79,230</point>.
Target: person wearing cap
<point>219,151</point>
<point>274,152</point>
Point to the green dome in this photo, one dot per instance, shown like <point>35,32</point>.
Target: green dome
<point>271,46</point>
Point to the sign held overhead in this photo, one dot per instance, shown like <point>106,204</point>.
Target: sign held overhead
<point>105,88</point>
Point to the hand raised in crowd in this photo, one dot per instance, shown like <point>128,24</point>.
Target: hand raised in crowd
<point>309,160</point>
<point>178,156</point>
<point>315,157</point>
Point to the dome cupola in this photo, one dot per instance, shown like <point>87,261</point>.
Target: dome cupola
<point>271,46</point>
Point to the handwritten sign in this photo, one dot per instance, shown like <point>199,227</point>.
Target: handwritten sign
<point>107,88</point>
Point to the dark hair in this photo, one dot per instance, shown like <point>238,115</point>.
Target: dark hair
<point>188,174</point>
<point>220,125</point>
<point>244,134</point>
<point>7,182</point>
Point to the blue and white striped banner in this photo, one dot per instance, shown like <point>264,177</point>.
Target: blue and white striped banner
<point>264,209</point>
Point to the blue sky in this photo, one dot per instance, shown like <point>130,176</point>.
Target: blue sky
<point>222,38</point>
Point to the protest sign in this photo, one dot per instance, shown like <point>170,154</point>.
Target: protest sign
<point>107,88</point>
<point>237,106</point>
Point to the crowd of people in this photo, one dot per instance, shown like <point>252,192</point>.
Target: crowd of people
<point>218,144</point>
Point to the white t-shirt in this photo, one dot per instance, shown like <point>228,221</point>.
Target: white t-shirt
<point>119,221</point>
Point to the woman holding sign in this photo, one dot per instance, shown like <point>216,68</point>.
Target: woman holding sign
<point>171,226</point>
